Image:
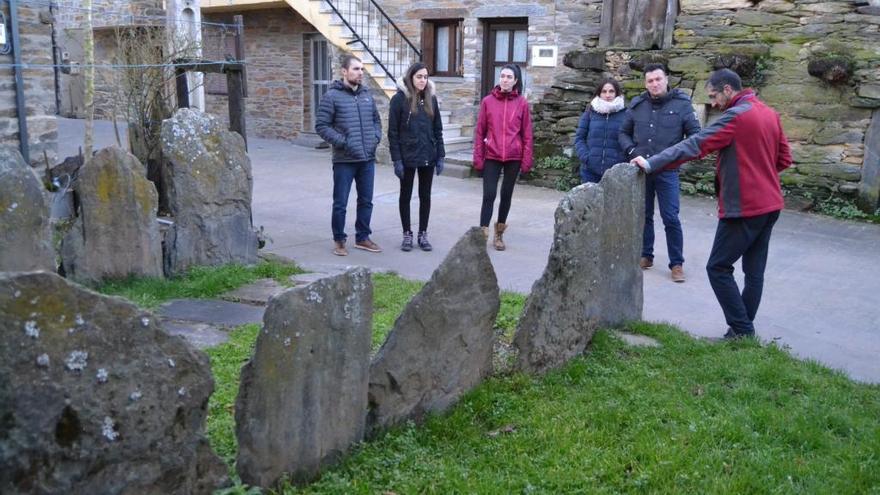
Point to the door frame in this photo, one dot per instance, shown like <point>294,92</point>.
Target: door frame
<point>489,63</point>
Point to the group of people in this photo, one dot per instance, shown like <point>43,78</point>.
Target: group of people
<point>657,131</point>
<point>349,121</point>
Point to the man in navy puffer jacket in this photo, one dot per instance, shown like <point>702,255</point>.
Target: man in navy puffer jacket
<point>349,121</point>
<point>656,120</point>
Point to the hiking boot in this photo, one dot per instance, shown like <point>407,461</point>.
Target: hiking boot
<point>407,244</point>
<point>339,248</point>
<point>485,232</point>
<point>646,263</point>
<point>368,245</point>
<point>734,335</point>
<point>677,274</point>
<point>499,236</point>
<point>423,241</point>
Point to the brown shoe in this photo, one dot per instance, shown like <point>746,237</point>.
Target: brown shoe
<point>339,248</point>
<point>368,245</point>
<point>645,263</point>
<point>677,274</point>
<point>499,236</point>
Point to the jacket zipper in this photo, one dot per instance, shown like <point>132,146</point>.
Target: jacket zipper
<point>504,134</point>
<point>605,140</point>
<point>361,124</point>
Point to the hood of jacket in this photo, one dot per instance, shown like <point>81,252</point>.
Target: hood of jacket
<point>606,107</point>
<point>502,95</point>
<point>338,84</point>
<point>743,94</point>
<point>672,94</point>
<point>402,88</point>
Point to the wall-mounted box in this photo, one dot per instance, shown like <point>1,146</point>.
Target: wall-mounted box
<point>544,56</point>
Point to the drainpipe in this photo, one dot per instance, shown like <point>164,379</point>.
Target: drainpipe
<point>56,57</point>
<point>19,83</point>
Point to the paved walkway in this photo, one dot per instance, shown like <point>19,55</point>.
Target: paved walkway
<point>822,289</point>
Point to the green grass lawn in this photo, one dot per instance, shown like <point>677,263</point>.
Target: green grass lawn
<point>199,282</point>
<point>687,417</point>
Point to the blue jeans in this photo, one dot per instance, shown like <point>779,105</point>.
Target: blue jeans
<point>363,174</point>
<point>749,239</point>
<point>665,186</point>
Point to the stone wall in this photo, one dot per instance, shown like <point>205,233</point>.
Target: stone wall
<point>35,32</point>
<point>277,73</point>
<point>773,44</point>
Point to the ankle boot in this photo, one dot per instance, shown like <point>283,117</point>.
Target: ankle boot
<point>485,232</point>
<point>499,236</point>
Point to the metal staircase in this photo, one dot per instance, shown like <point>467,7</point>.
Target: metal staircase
<point>363,28</point>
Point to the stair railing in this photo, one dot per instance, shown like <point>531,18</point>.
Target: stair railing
<point>378,34</point>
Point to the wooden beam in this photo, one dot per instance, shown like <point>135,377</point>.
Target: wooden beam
<point>234,83</point>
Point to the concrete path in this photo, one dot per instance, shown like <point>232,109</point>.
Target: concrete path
<point>821,294</point>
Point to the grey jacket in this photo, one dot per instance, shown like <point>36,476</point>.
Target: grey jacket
<point>350,122</point>
<point>650,126</point>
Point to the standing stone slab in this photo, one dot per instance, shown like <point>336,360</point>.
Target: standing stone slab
<point>25,235</point>
<point>302,401</point>
<point>116,234</point>
<point>592,276</point>
<point>210,189</point>
<point>96,398</point>
<point>869,186</point>
<point>441,345</point>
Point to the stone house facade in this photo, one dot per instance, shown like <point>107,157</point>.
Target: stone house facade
<point>35,33</point>
<point>833,125</point>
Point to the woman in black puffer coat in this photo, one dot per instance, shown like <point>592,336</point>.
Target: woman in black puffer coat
<point>415,139</point>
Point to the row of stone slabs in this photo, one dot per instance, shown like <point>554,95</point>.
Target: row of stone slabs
<point>95,376</point>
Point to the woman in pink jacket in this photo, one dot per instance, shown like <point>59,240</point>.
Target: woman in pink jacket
<point>502,143</point>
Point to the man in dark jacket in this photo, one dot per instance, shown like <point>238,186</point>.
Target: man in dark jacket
<point>655,120</point>
<point>752,150</point>
<point>349,121</point>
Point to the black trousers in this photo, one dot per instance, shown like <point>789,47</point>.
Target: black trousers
<point>749,239</point>
<point>426,177</point>
<point>492,170</point>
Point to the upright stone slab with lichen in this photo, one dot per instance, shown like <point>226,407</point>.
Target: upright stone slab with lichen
<point>592,276</point>
<point>115,234</point>
<point>96,398</point>
<point>441,344</point>
<point>302,401</point>
<point>210,189</point>
<point>25,235</point>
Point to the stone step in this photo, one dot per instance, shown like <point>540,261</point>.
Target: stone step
<point>451,131</point>
<point>456,170</point>
<point>458,143</point>
<point>445,116</point>
<point>461,157</point>
<point>222,314</point>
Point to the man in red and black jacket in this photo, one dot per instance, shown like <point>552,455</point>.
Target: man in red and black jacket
<point>752,150</point>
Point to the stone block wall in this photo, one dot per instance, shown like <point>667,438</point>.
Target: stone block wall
<point>35,33</point>
<point>277,73</point>
<point>826,123</point>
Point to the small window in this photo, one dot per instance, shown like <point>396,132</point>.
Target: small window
<point>441,46</point>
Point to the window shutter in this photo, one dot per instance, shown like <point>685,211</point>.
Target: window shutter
<point>428,45</point>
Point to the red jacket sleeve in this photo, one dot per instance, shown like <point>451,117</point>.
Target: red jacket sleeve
<point>480,136</point>
<point>528,139</point>
<point>783,154</point>
<point>712,138</point>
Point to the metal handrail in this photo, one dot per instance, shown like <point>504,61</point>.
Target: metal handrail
<point>385,43</point>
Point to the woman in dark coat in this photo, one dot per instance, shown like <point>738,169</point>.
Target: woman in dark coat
<point>415,138</point>
<point>596,140</point>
